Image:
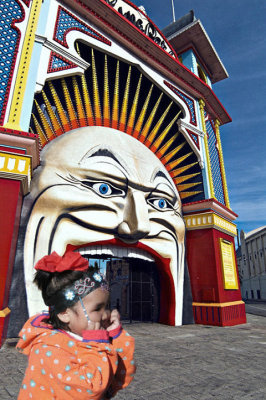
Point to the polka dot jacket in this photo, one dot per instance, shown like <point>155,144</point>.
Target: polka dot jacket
<point>62,367</point>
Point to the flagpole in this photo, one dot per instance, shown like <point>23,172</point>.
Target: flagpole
<point>173,8</point>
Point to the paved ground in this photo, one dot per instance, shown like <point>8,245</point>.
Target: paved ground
<point>256,307</point>
<point>180,363</point>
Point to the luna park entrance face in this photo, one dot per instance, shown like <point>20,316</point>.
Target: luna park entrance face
<point>134,287</point>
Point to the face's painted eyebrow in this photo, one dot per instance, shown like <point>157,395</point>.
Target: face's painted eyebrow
<point>106,153</point>
<point>162,174</point>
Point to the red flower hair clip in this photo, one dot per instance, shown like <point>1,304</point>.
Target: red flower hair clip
<point>69,261</point>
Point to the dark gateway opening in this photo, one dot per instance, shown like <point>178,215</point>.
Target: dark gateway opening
<point>134,287</point>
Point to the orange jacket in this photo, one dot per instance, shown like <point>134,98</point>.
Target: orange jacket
<point>62,367</point>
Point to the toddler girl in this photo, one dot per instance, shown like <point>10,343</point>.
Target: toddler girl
<point>78,350</point>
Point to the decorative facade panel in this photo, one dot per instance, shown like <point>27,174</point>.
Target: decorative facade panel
<point>215,161</point>
<point>67,22</point>
<point>11,12</point>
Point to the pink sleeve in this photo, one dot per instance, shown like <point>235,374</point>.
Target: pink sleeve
<point>124,345</point>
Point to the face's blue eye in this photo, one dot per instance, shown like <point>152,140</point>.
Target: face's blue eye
<point>162,203</point>
<point>102,188</point>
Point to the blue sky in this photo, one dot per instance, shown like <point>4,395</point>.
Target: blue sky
<point>237,29</point>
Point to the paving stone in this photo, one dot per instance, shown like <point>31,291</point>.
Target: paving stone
<point>256,395</point>
<point>192,362</point>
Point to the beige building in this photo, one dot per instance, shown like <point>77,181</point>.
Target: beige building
<point>251,261</point>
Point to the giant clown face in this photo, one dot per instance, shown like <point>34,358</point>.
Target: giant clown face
<point>100,188</point>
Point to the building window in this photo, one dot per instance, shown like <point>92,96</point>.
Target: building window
<point>258,294</point>
<point>252,294</point>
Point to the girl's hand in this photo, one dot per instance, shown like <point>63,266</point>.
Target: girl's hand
<point>114,320</point>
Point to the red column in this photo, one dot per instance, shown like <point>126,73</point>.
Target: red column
<point>10,208</point>
<point>19,154</point>
<point>214,280</point>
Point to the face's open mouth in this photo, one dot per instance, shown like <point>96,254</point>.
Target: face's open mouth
<point>106,251</point>
<point>116,248</point>
<point>132,275</point>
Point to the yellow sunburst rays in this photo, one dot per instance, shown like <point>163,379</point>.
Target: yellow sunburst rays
<point>178,171</point>
<point>178,178</point>
<point>78,101</point>
<point>123,114</point>
<point>167,155</point>
<point>172,153</point>
<point>86,97</point>
<point>155,145</point>
<point>57,128</point>
<point>59,108</point>
<point>53,123</point>
<point>132,115</point>
<point>115,112</point>
<point>141,117</point>
<point>70,107</point>
<point>42,137</point>
<point>87,102</point>
<point>47,128</point>
<point>183,193</point>
<point>106,104</point>
<point>184,178</point>
<point>96,95</point>
<point>149,121</point>
<point>172,164</point>
<point>160,152</point>
<point>150,138</point>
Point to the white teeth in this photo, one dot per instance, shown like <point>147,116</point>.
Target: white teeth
<point>116,251</point>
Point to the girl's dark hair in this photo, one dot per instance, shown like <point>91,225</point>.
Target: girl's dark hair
<point>50,284</point>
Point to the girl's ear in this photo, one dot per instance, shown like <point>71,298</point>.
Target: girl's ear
<point>64,316</point>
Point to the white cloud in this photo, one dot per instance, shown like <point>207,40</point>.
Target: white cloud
<point>247,192</point>
<point>254,119</point>
<point>248,210</point>
<point>252,76</point>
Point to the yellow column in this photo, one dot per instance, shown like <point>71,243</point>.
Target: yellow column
<point>23,69</point>
<point>202,104</point>
<point>217,131</point>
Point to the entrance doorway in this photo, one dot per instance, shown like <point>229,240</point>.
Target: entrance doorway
<point>144,292</point>
<point>134,289</point>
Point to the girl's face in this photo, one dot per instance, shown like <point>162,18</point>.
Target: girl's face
<point>95,304</point>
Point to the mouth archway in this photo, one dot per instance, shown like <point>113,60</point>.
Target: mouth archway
<point>141,283</point>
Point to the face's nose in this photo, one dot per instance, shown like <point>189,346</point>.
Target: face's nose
<point>136,223</point>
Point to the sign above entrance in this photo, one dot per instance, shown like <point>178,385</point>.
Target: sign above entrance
<point>136,16</point>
